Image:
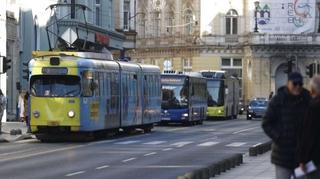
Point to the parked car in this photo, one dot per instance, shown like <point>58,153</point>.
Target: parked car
<point>257,108</point>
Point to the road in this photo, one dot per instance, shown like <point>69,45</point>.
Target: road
<point>167,152</point>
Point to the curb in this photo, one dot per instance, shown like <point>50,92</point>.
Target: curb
<point>214,169</point>
<point>24,137</point>
<point>2,140</point>
<point>260,149</point>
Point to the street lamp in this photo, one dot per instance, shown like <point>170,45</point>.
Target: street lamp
<point>256,4</point>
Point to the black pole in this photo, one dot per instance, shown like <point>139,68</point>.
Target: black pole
<point>256,20</point>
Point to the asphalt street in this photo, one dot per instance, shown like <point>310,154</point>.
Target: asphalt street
<point>167,152</point>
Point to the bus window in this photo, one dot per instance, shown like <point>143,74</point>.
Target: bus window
<point>215,93</point>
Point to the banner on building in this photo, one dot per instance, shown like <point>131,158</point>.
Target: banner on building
<point>284,16</point>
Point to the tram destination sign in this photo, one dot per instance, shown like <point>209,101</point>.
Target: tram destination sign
<point>54,71</point>
<point>173,80</point>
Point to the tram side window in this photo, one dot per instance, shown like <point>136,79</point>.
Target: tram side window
<point>87,84</point>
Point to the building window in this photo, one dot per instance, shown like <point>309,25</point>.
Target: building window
<point>226,62</point>
<point>187,65</point>
<point>110,12</point>
<point>189,22</point>
<point>232,22</point>
<point>157,27</point>
<point>73,9</point>
<point>126,15</point>
<point>98,13</point>
<point>170,27</point>
<point>237,62</point>
<point>142,24</point>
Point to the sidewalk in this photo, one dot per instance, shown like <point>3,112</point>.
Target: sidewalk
<point>8,126</point>
<point>252,168</point>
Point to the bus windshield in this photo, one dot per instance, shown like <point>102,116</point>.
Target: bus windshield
<point>215,93</point>
<point>55,86</point>
<point>174,97</point>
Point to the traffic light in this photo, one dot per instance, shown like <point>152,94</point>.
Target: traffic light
<point>289,67</point>
<point>25,71</point>
<point>311,70</point>
<point>6,64</point>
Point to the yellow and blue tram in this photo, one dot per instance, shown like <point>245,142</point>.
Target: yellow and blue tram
<point>73,92</point>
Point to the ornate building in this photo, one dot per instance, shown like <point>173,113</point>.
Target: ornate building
<point>253,39</point>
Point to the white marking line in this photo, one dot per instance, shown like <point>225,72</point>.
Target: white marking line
<point>208,144</point>
<point>26,141</point>
<point>155,142</point>
<point>245,130</point>
<point>152,153</point>
<point>181,144</point>
<point>128,160</point>
<point>75,173</point>
<point>102,167</point>
<point>167,149</point>
<point>256,144</point>
<point>128,142</point>
<point>236,144</point>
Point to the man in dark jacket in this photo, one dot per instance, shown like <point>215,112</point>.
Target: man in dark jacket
<point>309,139</point>
<point>281,122</point>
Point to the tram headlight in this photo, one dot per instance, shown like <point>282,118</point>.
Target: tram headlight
<point>185,115</point>
<point>36,114</point>
<point>220,111</point>
<point>71,114</point>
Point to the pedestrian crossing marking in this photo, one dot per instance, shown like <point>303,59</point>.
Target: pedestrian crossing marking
<point>127,142</point>
<point>155,142</point>
<point>208,144</point>
<point>181,144</point>
<point>236,144</point>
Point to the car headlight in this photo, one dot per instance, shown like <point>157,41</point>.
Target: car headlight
<point>36,114</point>
<point>71,114</point>
<point>185,115</point>
<point>249,107</point>
<point>220,111</point>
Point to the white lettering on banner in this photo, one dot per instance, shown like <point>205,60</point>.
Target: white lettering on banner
<point>284,16</point>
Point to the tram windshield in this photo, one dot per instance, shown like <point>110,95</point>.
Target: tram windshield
<point>55,86</point>
<point>215,93</point>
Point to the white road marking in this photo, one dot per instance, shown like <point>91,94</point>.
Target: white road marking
<point>128,160</point>
<point>155,142</point>
<point>256,144</point>
<point>245,130</point>
<point>152,153</point>
<point>236,144</point>
<point>128,142</point>
<point>181,144</point>
<point>102,167</point>
<point>167,149</point>
<point>26,141</point>
<point>75,173</point>
<point>208,144</point>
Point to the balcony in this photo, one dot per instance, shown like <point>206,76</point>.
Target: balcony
<point>166,41</point>
<point>283,39</point>
<point>222,39</point>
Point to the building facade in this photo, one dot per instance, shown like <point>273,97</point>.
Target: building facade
<point>223,35</point>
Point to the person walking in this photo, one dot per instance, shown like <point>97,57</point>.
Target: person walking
<point>21,106</point>
<point>26,111</point>
<point>309,139</point>
<point>281,122</point>
<point>3,104</point>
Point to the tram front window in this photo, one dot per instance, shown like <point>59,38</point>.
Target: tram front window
<point>55,86</point>
<point>174,97</point>
<point>215,93</point>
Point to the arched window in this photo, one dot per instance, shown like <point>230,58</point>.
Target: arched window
<point>232,22</point>
<point>189,21</point>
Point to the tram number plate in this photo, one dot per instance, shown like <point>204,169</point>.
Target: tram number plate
<point>166,119</point>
